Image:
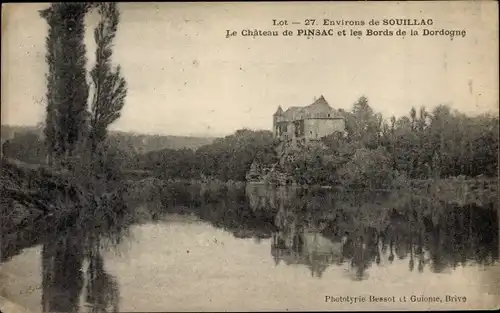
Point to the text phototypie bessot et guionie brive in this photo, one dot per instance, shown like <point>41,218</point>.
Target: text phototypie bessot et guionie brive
<point>371,28</point>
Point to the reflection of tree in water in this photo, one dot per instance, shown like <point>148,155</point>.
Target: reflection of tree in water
<point>62,278</point>
<point>226,208</point>
<point>297,242</point>
<point>309,249</point>
<point>370,230</point>
<point>361,249</point>
<point>62,267</point>
<point>101,290</point>
<point>233,213</point>
<point>464,234</point>
<point>318,228</point>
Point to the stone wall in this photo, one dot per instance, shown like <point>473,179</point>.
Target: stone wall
<point>317,128</point>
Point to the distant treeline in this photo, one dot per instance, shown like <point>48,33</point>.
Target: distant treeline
<point>375,153</point>
<point>128,142</point>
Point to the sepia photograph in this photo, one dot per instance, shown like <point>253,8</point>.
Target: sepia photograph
<point>249,156</point>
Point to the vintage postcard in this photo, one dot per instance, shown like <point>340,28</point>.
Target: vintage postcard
<point>249,156</point>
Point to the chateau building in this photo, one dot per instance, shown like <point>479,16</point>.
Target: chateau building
<point>307,123</point>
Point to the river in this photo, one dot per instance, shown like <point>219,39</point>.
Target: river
<point>193,248</point>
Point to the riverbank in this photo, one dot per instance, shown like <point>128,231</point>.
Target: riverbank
<point>36,199</point>
<point>20,215</point>
<point>456,190</point>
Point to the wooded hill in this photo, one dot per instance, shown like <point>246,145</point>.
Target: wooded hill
<point>125,141</point>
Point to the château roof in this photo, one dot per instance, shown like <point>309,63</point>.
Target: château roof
<point>320,102</point>
<point>279,111</point>
<point>293,111</point>
<point>318,109</point>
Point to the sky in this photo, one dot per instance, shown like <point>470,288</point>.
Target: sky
<point>186,78</point>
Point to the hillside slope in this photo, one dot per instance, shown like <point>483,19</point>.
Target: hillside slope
<point>140,143</point>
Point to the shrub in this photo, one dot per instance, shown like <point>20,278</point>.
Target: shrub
<point>367,169</point>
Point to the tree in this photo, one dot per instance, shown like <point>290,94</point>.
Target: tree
<point>67,88</point>
<point>230,158</point>
<point>53,49</point>
<point>368,168</point>
<point>315,164</point>
<point>364,126</point>
<point>110,88</point>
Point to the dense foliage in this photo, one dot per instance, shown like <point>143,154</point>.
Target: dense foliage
<point>227,158</point>
<point>110,88</point>
<point>27,147</point>
<point>67,88</point>
<point>230,158</point>
<point>438,144</point>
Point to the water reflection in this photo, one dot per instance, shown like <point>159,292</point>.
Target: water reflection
<point>73,268</point>
<point>316,229</point>
<point>62,277</point>
<point>102,293</point>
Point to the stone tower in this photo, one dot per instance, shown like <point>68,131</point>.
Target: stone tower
<point>277,118</point>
